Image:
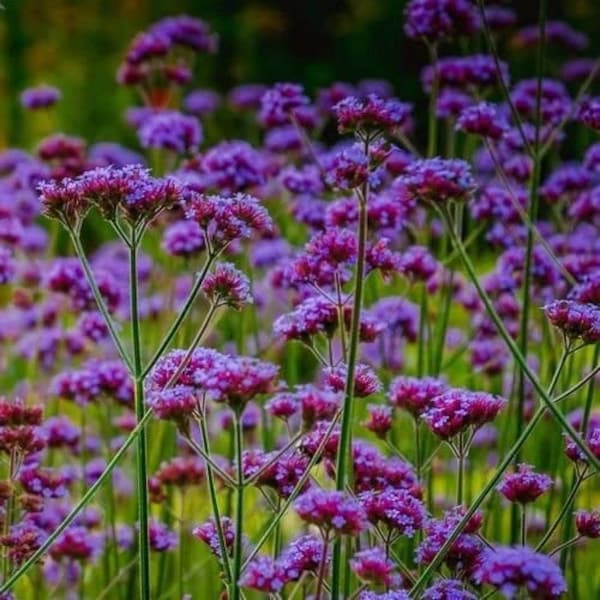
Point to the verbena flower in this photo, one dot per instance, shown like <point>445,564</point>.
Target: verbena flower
<point>588,523</point>
<point>379,420</point>
<point>264,574</point>
<point>42,96</point>
<point>456,410</point>
<point>436,20</point>
<point>448,589</point>
<point>207,533</point>
<point>228,286</point>
<point>373,566</point>
<point>576,320</point>
<point>482,119</point>
<point>556,33</point>
<point>370,114</point>
<point>465,72</point>
<point>302,555</point>
<point>414,394</point>
<point>439,180</point>
<point>366,381</point>
<point>171,131</point>
<point>510,570</point>
<point>524,485</point>
<point>397,509</point>
<point>280,102</point>
<point>332,512</point>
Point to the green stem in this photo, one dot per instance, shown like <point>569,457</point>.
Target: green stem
<point>141,442</point>
<point>344,463</point>
<point>214,502</point>
<point>514,349</point>
<point>239,509</point>
<point>435,84</point>
<point>460,475</point>
<point>87,269</point>
<point>183,313</point>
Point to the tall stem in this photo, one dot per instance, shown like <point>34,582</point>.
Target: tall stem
<point>239,508</point>
<point>141,442</point>
<point>344,462</point>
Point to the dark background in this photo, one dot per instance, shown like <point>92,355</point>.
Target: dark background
<point>77,46</point>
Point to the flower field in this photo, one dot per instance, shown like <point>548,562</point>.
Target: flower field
<point>299,343</point>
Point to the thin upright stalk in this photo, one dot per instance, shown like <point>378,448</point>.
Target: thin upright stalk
<point>344,463</point>
<point>141,442</point>
<point>239,508</point>
<point>489,487</point>
<point>514,349</point>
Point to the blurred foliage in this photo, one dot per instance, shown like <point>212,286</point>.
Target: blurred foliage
<point>78,44</point>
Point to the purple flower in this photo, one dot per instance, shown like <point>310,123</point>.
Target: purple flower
<point>524,485</point>
<point>106,154</point>
<point>171,131</point>
<point>397,509</point>
<point>465,552</point>
<point>234,166</point>
<point>589,113</point>
<point>370,114</point>
<point>246,96</point>
<point>312,316</point>
<point>512,569</point>
<point>576,320</point>
<point>331,511</point>
<point>448,589</point>
<point>302,555</point>
<point>452,102</point>
<point>347,169</point>
<point>227,286</point>
<point>8,266</point>
<point>183,238</point>
<point>366,381</point>
<point>555,102</point>
<point>42,96</point>
<point>436,20</point>
<point>201,102</point>
<point>558,33</point>
<point>379,420</point>
<point>454,411</point>
<point>588,523</point>
<point>439,180</point>
<point>174,404</point>
<point>465,72</point>
<point>264,574</point>
<point>77,543</point>
<point>373,566</point>
<point>161,537</point>
<point>280,102</point>
<point>482,119</point>
<point>391,595</point>
<point>207,533</point>
<point>413,394</point>
<point>186,31</point>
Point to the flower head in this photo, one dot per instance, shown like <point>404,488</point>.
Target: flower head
<point>228,286</point>
<point>331,511</point>
<point>512,569</point>
<point>524,485</point>
<point>588,523</point>
<point>373,566</point>
<point>436,20</point>
<point>42,96</point>
<point>370,114</point>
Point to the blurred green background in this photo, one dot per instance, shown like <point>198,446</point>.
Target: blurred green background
<point>77,45</point>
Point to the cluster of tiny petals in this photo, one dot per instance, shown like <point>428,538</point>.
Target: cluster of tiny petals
<point>397,509</point>
<point>370,114</point>
<point>510,570</point>
<point>42,96</point>
<point>172,131</point>
<point>482,119</point>
<point>588,523</point>
<point>413,394</point>
<point>575,319</point>
<point>456,410</point>
<point>524,485</point>
<point>436,20</point>
<point>379,420</point>
<point>448,589</point>
<point>208,533</point>
<point>331,511</point>
<point>439,180</point>
<point>589,113</point>
<point>280,102</point>
<point>465,72</point>
<point>373,566</point>
<point>312,316</point>
<point>227,285</point>
<point>366,381</point>
<point>264,574</point>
